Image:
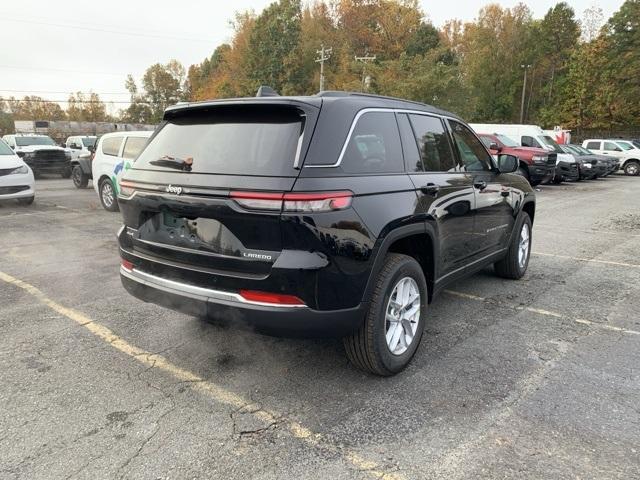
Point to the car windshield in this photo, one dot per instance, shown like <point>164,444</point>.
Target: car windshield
<point>550,142</point>
<point>26,141</point>
<point>636,143</point>
<point>238,141</point>
<point>624,145</point>
<point>506,141</point>
<point>89,141</point>
<point>572,149</point>
<point>5,149</point>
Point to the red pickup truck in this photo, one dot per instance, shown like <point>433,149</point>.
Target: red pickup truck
<point>537,165</point>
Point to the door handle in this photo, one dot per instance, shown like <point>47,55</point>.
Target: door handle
<point>505,193</point>
<point>430,189</point>
<point>480,184</point>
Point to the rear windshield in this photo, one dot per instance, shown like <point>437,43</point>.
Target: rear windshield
<point>232,141</point>
<point>507,141</point>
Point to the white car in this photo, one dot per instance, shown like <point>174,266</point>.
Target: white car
<point>41,153</point>
<point>115,153</point>
<point>626,152</point>
<point>79,145</point>
<point>16,178</point>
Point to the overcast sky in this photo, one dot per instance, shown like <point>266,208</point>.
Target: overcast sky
<point>52,48</point>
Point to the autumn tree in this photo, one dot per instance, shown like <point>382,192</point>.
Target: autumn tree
<point>86,108</point>
<point>33,107</point>
<point>162,86</point>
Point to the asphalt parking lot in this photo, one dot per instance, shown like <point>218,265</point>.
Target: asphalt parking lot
<point>531,379</point>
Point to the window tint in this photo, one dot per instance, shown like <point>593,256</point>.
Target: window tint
<point>528,141</point>
<point>238,140</point>
<point>435,149</point>
<point>374,146</point>
<point>593,145</point>
<point>625,145</point>
<point>474,156</point>
<point>611,147</point>
<point>111,146</point>
<point>89,141</point>
<point>24,141</point>
<point>487,141</point>
<point>133,147</point>
<point>409,146</point>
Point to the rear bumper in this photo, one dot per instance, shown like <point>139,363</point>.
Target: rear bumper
<point>230,307</point>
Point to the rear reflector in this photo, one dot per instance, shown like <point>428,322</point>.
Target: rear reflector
<point>272,298</point>
<point>294,202</point>
<point>127,188</point>
<point>127,265</point>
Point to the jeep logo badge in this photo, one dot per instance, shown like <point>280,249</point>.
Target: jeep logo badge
<point>172,189</point>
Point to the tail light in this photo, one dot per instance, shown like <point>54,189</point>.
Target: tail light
<point>126,188</point>
<point>270,298</point>
<point>126,264</point>
<point>294,202</point>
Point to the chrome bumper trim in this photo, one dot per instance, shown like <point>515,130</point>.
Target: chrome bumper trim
<point>204,294</point>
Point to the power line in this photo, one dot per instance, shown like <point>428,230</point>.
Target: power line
<point>60,91</point>
<point>44,100</point>
<point>103,30</point>
<point>65,70</point>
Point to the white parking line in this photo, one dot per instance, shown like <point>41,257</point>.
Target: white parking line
<point>598,232</point>
<point>546,313</point>
<point>207,387</point>
<point>592,260</point>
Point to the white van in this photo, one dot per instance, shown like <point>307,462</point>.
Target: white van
<point>115,152</point>
<point>535,136</point>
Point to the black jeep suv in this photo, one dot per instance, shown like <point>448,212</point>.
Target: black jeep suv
<point>340,213</point>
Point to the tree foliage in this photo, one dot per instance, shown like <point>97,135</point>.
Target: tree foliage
<point>582,74</point>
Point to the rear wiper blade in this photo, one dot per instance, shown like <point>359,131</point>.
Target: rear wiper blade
<point>173,162</point>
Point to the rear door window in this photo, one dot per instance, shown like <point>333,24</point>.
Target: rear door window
<point>611,147</point>
<point>473,155</point>
<point>242,140</point>
<point>133,147</point>
<point>111,146</point>
<point>433,141</point>
<point>374,145</point>
<point>593,145</point>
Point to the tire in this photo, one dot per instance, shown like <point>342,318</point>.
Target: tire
<point>515,263</point>
<point>368,348</point>
<point>26,200</point>
<point>557,180</point>
<point>632,168</point>
<point>108,200</point>
<point>66,173</point>
<point>80,179</point>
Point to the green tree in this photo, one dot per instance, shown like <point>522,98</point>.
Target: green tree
<point>273,42</point>
<point>34,108</point>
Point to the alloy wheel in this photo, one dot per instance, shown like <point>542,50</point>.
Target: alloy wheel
<point>402,315</point>
<point>107,193</point>
<point>523,246</point>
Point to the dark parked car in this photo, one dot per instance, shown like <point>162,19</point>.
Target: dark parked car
<point>537,165</point>
<point>339,213</point>
<point>587,164</point>
<point>601,164</point>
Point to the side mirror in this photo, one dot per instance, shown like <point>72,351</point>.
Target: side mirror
<point>495,146</point>
<point>92,148</point>
<point>507,163</point>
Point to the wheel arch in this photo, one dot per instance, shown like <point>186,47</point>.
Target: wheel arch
<point>416,240</point>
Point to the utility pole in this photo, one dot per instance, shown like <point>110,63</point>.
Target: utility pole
<point>324,54</point>
<point>366,59</point>
<point>524,91</point>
